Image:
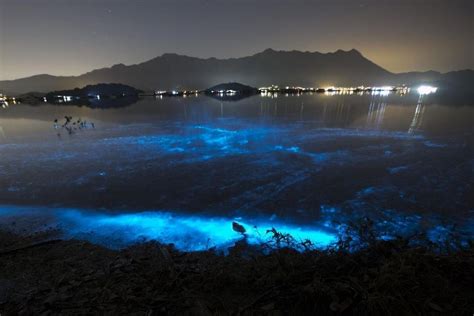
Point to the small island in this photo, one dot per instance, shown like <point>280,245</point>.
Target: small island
<point>98,91</point>
<point>231,88</point>
<point>231,91</point>
<point>101,95</point>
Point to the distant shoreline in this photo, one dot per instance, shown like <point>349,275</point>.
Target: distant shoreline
<point>228,91</point>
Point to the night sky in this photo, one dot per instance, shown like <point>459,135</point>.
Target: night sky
<point>70,37</point>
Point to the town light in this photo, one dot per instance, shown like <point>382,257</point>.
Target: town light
<point>426,89</point>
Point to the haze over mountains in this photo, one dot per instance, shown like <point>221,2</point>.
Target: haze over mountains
<point>172,71</point>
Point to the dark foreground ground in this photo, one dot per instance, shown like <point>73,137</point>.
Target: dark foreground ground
<point>76,277</point>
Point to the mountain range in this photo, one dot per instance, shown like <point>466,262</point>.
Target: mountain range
<point>311,69</point>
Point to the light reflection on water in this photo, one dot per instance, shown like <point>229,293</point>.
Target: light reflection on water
<point>402,161</point>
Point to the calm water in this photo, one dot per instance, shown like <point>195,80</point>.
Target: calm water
<point>182,169</point>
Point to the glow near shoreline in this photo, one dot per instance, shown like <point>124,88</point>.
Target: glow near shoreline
<point>186,232</point>
<point>189,233</point>
<point>196,232</point>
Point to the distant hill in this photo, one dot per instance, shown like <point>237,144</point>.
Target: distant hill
<point>172,71</point>
<point>231,91</point>
<point>102,89</point>
<point>104,95</point>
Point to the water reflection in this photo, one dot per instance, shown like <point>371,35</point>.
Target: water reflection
<point>376,113</point>
<point>417,120</point>
<point>308,161</point>
<point>2,134</point>
<point>393,112</point>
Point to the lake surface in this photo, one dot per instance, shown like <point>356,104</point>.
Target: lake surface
<point>182,169</point>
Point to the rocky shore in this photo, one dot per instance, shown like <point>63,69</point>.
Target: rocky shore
<point>42,275</point>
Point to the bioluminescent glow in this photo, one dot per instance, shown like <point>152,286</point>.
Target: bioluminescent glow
<point>206,142</point>
<point>426,89</point>
<point>272,174</point>
<point>187,232</point>
<point>191,232</point>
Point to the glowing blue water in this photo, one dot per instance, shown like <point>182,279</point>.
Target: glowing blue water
<point>186,232</point>
<point>301,179</point>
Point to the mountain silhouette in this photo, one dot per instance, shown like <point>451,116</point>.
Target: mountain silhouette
<point>173,71</point>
